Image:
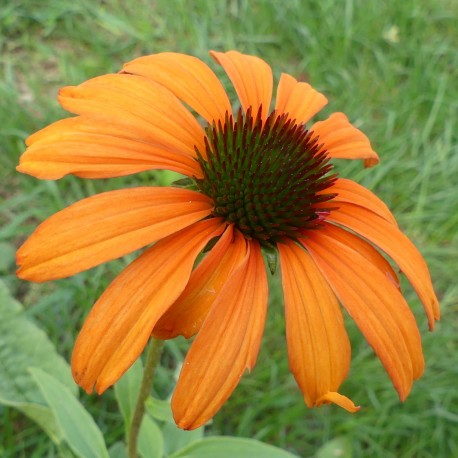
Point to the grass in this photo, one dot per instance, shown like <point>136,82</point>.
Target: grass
<point>391,66</point>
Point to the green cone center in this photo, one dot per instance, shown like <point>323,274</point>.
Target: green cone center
<point>267,177</point>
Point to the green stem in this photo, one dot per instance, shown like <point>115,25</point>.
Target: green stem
<point>152,360</point>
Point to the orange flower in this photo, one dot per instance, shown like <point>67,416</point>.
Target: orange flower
<point>259,181</point>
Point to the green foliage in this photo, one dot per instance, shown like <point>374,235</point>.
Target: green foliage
<point>78,428</point>
<point>54,407</point>
<point>229,447</point>
<point>126,391</point>
<point>22,346</point>
<point>392,66</point>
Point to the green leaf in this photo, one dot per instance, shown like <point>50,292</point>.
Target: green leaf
<point>78,427</point>
<point>44,417</point>
<point>127,389</point>
<point>118,450</point>
<point>150,440</point>
<point>23,345</point>
<point>160,410</point>
<point>230,447</point>
<point>176,438</point>
<point>339,447</point>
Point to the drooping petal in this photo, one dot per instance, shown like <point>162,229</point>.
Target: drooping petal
<point>336,398</point>
<point>138,103</point>
<point>364,249</point>
<point>107,226</point>
<point>354,193</point>
<point>376,305</point>
<point>342,140</point>
<point>298,99</point>
<point>120,323</point>
<point>397,245</point>
<point>100,148</point>
<point>318,345</point>
<point>252,79</point>
<point>186,315</point>
<point>226,345</point>
<point>190,79</point>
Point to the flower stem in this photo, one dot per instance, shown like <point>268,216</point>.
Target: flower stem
<point>152,360</point>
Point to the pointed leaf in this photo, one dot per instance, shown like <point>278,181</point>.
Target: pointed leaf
<point>22,345</point>
<point>78,427</point>
<point>150,440</point>
<point>230,447</point>
<point>43,417</point>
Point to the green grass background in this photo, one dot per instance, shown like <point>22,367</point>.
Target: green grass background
<point>392,66</point>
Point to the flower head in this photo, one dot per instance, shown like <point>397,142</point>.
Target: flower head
<point>260,179</point>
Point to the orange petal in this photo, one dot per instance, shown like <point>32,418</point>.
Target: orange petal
<point>342,401</point>
<point>138,103</point>
<point>107,226</point>
<point>190,79</point>
<point>120,323</point>
<point>99,148</point>
<point>251,77</point>
<point>378,308</point>
<point>318,345</point>
<point>186,315</point>
<point>393,242</point>
<point>364,249</point>
<point>298,99</point>
<point>344,141</point>
<point>226,345</point>
<point>354,193</point>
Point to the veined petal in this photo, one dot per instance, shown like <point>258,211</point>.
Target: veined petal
<point>354,193</point>
<point>138,103</point>
<point>120,323</point>
<point>364,249</point>
<point>225,346</point>
<point>378,308</point>
<point>186,315</point>
<point>298,99</point>
<point>99,148</point>
<point>342,140</point>
<point>107,226</point>
<point>397,245</point>
<point>190,79</point>
<point>318,345</point>
<point>252,79</point>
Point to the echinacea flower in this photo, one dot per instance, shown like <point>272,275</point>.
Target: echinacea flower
<point>260,181</point>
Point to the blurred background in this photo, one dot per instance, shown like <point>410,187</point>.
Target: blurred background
<point>391,66</point>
